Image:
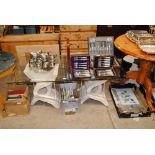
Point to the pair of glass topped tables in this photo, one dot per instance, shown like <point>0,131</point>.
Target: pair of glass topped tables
<point>59,84</point>
<point>90,87</point>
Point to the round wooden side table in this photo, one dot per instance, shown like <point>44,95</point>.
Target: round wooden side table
<point>146,63</point>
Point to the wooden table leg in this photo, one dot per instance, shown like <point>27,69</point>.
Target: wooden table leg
<point>142,77</point>
<point>148,86</point>
<point>132,75</point>
<point>2,106</point>
<point>145,71</point>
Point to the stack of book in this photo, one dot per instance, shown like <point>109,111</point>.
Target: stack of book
<point>17,100</point>
<point>14,95</point>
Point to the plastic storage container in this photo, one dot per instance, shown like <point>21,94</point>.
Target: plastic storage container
<point>70,98</point>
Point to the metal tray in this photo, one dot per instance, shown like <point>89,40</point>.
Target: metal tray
<point>136,35</point>
<point>149,49</point>
<point>129,101</point>
<point>147,40</point>
<point>147,44</point>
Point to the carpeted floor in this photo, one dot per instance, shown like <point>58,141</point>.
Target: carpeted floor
<point>93,115</point>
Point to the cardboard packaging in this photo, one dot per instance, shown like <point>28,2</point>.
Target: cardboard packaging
<point>19,105</point>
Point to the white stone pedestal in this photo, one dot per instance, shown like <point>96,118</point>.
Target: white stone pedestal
<point>94,90</point>
<point>43,91</point>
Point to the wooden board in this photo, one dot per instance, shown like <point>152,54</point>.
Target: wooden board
<point>74,44</point>
<point>73,28</point>
<point>30,37</point>
<point>11,46</point>
<point>9,42</point>
<point>24,51</point>
<point>75,51</point>
<point>74,36</point>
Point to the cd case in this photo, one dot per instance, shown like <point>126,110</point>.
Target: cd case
<point>129,101</point>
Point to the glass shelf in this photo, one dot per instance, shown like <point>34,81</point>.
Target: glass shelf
<point>50,90</point>
<point>64,74</point>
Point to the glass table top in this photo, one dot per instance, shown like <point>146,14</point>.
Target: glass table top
<point>64,73</point>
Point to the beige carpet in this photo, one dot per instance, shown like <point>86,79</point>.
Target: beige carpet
<point>93,115</point>
<point>43,116</point>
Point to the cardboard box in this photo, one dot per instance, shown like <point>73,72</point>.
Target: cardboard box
<point>19,106</point>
